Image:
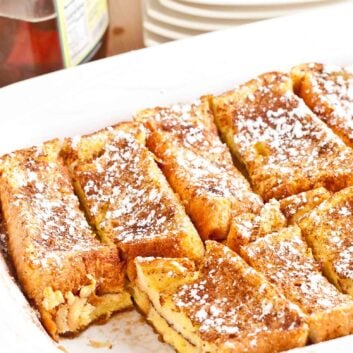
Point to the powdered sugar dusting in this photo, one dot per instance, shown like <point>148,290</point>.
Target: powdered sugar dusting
<point>286,261</point>
<point>229,300</point>
<point>40,192</point>
<point>123,191</point>
<point>282,143</point>
<point>331,91</point>
<point>332,222</point>
<point>295,207</point>
<point>185,141</point>
<point>247,227</point>
<point>296,203</point>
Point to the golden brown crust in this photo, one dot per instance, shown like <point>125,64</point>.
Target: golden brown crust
<point>287,262</point>
<point>221,274</point>
<point>126,196</point>
<point>228,304</point>
<point>248,227</point>
<point>328,91</point>
<point>297,206</point>
<point>286,149</point>
<point>328,230</point>
<point>50,242</point>
<point>198,166</point>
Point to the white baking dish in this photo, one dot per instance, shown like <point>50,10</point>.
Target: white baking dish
<point>92,96</point>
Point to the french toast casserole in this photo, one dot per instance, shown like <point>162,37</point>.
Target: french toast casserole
<point>226,222</point>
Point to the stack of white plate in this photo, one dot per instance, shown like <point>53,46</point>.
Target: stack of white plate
<point>166,20</point>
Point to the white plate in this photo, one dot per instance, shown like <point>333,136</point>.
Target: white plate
<point>156,11</point>
<point>249,2</point>
<point>151,39</point>
<point>237,13</point>
<point>95,95</point>
<point>165,30</point>
<point>150,42</point>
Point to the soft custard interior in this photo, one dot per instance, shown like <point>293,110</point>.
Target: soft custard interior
<point>170,336</point>
<point>156,277</point>
<point>71,312</point>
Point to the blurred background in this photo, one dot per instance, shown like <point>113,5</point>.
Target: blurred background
<point>40,36</point>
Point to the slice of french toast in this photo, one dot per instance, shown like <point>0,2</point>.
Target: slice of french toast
<point>328,91</point>
<point>164,273</point>
<point>221,306</point>
<point>248,227</point>
<point>71,277</point>
<point>285,148</point>
<point>198,166</point>
<point>287,262</point>
<point>126,196</point>
<point>328,231</point>
<point>297,206</point>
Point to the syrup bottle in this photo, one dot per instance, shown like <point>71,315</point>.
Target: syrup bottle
<point>40,36</point>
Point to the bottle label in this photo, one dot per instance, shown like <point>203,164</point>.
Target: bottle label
<point>81,25</point>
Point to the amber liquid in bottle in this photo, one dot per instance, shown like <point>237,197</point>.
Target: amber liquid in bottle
<point>31,48</point>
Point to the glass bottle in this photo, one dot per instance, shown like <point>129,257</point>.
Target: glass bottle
<point>40,36</point>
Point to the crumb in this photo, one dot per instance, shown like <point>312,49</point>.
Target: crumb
<point>128,331</point>
<point>100,344</point>
<point>62,348</point>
